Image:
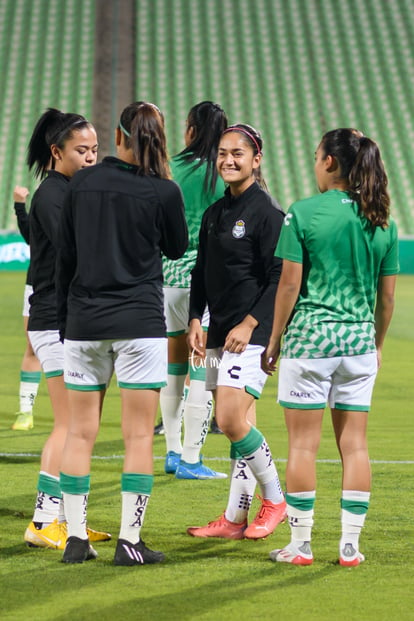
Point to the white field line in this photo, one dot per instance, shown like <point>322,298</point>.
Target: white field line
<point>225,459</point>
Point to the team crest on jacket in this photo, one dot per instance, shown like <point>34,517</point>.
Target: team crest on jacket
<point>239,229</point>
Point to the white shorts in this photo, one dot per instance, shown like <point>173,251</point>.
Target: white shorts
<point>48,350</point>
<point>176,310</point>
<point>28,290</point>
<point>138,363</point>
<point>235,370</point>
<point>345,383</point>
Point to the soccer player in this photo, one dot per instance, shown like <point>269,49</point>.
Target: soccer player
<point>340,260</point>
<point>118,218</point>
<point>236,273</point>
<point>30,370</point>
<point>61,144</point>
<point>195,172</point>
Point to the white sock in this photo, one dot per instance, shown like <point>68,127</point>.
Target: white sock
<point>170,400</point>
<point>48,499</point>
<point>132,518</point>
<point>265,472</point>
<point>27,395</point>
<point>46,509</point>
<point>197,414</point>
<point>352,523</point>
<point>61,511</point>
<point>183,400</point>
<point>75,512</point>
<point>300,521</point>
<point>242,486</point>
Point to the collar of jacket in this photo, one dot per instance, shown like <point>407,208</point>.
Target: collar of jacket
<point>117,163</point>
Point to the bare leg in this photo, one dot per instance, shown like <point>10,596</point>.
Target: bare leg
<point>350,432</point>
<point>85,408</point>
<point>139,408</point>
<point>304,430</point>
<point>53,449</point>
<point>232,405</point>
<point>29,362</point>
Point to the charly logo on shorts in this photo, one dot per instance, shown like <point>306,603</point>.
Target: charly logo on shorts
<point>239,229</point>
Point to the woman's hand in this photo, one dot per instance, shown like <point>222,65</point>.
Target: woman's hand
<point>195,338</point>
<point>20,194</point>
<point>239,337</point>
<point>270,356</point>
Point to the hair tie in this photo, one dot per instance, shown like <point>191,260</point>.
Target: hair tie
<point>235,128</point>
<point>125,131</point>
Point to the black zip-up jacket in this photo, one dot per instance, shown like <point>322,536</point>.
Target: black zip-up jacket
<point>24,228</point>
<point>44,218</point>
<point>236,271</point>
<point>115,224</point>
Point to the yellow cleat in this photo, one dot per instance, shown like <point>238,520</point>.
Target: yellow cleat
<point>52,536</point>
<point>93,535</point>
<point>97,535</point>
<point>23,422</point>
<point>55,535</point>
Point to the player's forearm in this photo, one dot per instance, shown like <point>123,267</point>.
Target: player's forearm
<point>384,308</point>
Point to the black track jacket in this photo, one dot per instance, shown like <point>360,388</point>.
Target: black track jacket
<point>44,219</point>
<point>236,271</point>
<point>114,226</point>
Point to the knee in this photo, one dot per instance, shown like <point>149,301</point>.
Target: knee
<point>84,434</point>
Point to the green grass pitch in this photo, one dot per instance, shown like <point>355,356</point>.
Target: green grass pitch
<point>212,579</point>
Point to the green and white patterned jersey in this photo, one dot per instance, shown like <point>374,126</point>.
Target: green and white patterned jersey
<point>342,257</point>
<point>190,177</point>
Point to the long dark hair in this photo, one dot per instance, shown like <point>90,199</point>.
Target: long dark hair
<point>208,121</point>
<point>53,128</point>
<point>253,138</point>
<point>143,126</point>
<point>361,165</point>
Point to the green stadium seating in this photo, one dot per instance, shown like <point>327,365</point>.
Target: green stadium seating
<point>291,68</point>
<point>46,60</point>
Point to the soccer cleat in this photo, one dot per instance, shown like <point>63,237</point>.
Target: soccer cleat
<point>159,429</point>
<point>222,528</point>
<point>197,471</point>
<point>129,554</point>
<point>266,520</point>
<point>52,536</point>
<point>93,535</point>
<point>171,462</point>
<point>301,555</point>
<point>349,557</point>
<point>78,550</point>
<point>23,422</point>
<point>97,535</point>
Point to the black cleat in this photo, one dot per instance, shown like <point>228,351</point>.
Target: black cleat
<point>159,429</point>
<point>129,554</point>
<point>78,550</point>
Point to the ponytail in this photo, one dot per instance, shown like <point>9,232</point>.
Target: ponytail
<point>143,127</point>
<point>368,183</point>
<point>53,128</point>
<point>208,121</point>
<point>360,163</point>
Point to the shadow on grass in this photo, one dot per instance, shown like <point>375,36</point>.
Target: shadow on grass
<point>207,599</point>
